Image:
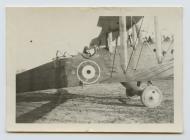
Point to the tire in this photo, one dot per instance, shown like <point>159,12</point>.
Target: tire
<point>151,96</point>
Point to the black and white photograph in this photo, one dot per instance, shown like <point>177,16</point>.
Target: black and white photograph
<point>90,69</point>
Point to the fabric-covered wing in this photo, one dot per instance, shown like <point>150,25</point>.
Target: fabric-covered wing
<point>111,24</point>
<point>164,71</point>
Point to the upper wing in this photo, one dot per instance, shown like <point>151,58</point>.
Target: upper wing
<point>111,24</point>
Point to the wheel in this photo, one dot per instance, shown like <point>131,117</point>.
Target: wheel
<point>151,96</point>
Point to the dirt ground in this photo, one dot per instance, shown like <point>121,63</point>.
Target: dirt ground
<point>100,103</point>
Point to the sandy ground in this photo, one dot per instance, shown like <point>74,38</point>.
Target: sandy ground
<point>101,103</point>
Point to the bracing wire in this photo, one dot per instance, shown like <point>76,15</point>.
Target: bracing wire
<point>136,44</point>
<point>133,47</point>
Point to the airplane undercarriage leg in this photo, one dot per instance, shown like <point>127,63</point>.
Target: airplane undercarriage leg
<point>131,89</point>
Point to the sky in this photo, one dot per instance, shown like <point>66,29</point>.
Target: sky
<point>38,33</point>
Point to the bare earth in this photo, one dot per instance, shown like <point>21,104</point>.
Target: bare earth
<point>101,103</point>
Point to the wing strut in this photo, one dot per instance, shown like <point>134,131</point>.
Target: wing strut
<point>123,43</point>
<point>157,40</point>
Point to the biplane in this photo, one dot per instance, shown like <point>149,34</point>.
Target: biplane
<point>114,56</point>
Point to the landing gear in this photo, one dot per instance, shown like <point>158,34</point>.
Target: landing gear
<point>131,89</point>
<point>151,96</point>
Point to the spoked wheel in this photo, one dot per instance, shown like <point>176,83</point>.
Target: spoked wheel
<point>151,96</point>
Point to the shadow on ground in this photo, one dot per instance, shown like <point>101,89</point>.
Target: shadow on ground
<point>54,100</point>
<point>61,96</point>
